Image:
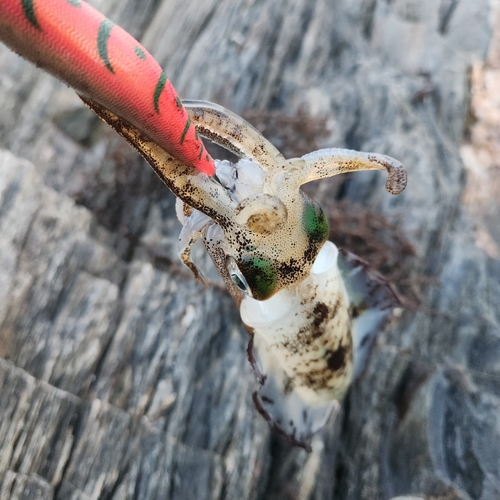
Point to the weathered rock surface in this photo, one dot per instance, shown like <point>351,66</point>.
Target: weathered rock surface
<point>122,377</point>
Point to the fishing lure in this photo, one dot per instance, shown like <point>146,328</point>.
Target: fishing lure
<point>101,61</point>
<point>312,311</point>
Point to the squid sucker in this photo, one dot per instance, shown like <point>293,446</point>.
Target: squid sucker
<point>312,311</point>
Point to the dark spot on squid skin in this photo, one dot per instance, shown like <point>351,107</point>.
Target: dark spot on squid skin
<point>236,133</point>
<point>334,365</point>
<point>335,360</point>
<point>291,270</point>
<point>314,222</point>
<point>309,337</point>
<point>288,387</point>
<point>259,273</point>
<point>321,313</point>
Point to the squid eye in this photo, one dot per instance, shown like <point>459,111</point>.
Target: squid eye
<point>314,222</point>
<point>260,274</point>
<point>237,277</point>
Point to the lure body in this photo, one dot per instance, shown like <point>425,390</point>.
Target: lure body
<point>103,63</point>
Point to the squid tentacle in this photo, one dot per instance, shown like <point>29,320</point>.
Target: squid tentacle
<point>330,162</point>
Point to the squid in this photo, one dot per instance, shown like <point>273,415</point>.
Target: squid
<point>312,310</point>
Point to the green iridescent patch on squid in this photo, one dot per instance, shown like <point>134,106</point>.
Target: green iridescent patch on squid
<point>159,89</point>
<point>102,42</point>
<point>29,12</point>
<point>260,275</point>
<point>139,53</point>
<point>74,3</point>
<point>314,222</point>
<point>185,131</point>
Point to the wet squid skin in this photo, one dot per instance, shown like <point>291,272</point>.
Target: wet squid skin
<point>316,360</point>
<point>312,312</point>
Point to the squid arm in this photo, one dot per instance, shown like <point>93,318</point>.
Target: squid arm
<point>232,132</point>
<point>185,256</point>
<point>199,191</point>
<point>330,162</point>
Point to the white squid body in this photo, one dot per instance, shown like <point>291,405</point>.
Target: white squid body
<point>312,311</point>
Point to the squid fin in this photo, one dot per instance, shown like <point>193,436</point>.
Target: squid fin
<point>372,302</point>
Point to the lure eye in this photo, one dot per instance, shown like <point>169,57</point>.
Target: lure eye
<point>237,277</point>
